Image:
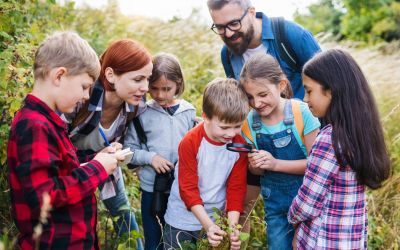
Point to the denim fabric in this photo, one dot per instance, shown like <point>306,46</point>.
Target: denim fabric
<point>172,235</point>
<point>114,204</point>
<point>151,228</point>
<point>278,189</point>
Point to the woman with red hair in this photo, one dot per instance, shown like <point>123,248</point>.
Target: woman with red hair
<point>116,98</point>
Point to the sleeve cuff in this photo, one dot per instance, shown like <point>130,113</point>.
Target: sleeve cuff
<point>142,157</point>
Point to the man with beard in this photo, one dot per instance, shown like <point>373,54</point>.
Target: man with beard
<point>246,32</point>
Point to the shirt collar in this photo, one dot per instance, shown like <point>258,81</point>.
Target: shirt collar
<point>97,97</point>
<point>266,32</point>
<point>35,103</point>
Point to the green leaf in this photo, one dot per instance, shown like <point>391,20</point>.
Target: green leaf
<point>5,35</point>
<point>243,236</point>
<point>14,106</point>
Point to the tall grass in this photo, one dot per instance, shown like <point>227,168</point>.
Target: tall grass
<point>384,203</point>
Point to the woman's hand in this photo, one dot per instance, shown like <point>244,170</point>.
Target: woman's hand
<point>262,160</point>
<point>161,165</point>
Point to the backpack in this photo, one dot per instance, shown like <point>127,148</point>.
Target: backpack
<point>283,46</point>
<point>298,122</point>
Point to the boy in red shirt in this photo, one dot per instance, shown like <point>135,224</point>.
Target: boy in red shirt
<point>42,159</point>
<point>208,175</point>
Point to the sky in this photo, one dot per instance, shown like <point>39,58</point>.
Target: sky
<point>166,9</point>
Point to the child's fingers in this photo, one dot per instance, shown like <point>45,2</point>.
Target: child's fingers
<point>235,245</point>
<point>214,243</point>
<point>119,157</point>
<point>116,145</point>
<point>169,165</point>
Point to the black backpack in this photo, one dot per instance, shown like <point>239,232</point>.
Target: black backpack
<point>285,49</point>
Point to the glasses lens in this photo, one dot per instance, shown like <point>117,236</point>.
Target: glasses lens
<point>234,26</point>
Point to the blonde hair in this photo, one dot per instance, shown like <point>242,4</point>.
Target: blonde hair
<point>167,65</point>
<point>66,49</point>
<point>224,99</point>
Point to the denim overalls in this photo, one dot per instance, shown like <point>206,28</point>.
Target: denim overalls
<point>278,189</point>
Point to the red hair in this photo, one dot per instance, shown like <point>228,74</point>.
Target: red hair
<point>123,56</point>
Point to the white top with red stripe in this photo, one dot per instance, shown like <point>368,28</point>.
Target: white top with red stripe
<point>206,174</point>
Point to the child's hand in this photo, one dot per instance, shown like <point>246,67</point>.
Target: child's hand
<point>254,169</point>
<point>115,146</point>
<point>161,165</point>
<point>109,161</point>
<point>262,160</point>
<point>234,238</point>
<point>215,235</point>
<point>294,241</point>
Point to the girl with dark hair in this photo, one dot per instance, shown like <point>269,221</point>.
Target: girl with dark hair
<point>116,98</point>
<point>348,155</point>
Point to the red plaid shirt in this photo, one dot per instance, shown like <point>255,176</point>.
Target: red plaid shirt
<point>41,158</point>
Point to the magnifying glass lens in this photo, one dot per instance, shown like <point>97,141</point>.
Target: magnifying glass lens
<point>239,147</point>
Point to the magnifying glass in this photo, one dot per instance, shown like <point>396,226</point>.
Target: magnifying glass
<point>239,147</point>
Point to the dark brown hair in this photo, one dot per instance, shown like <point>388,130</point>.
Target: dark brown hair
<point>167,65</point>
<point>357,135</point>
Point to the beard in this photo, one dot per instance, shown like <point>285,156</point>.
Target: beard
<point>239,48</point>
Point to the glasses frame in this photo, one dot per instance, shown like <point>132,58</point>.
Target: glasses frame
<point>214,27</point>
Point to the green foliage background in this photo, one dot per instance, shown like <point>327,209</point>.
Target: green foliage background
<point>24,24</point>
<point>368,21</point>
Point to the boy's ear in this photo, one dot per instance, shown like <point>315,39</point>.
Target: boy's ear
<point>204,116</point>
<point>109,74</point>
<point>56,74</point>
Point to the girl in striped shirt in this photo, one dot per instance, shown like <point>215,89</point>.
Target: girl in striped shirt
<point>348,155</point>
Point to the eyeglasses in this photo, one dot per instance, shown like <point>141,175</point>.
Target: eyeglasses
<point>233,25</point>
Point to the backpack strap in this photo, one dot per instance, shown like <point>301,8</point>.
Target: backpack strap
<point>298,119</point>
<point>247,132</point>
<point>226,62</point>
<point>285,49</point>
<point>139,130</point>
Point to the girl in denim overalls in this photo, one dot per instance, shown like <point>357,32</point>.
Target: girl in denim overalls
<point>283,132</point>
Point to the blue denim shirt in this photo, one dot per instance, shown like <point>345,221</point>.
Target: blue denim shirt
<point>302,42</point>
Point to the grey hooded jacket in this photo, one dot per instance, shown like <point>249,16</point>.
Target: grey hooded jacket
<point>164,133</point>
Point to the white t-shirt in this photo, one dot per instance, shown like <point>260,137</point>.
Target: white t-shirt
<point>94,140</point>
<point>251,52</point>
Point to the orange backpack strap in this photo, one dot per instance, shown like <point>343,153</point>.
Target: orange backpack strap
<point>298,119</point>
<point>247,132</point>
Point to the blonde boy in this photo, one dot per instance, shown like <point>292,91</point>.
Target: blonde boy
<point>208,174</point>
<point>41,158</point>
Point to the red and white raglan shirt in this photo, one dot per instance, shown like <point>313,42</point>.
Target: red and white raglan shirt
<point>207,174</point>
